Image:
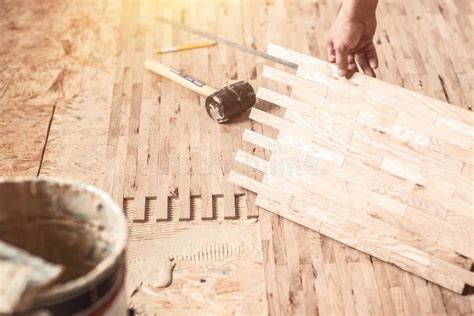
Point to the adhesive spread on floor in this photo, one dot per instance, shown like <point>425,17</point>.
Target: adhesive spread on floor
<point>149,275</point>
<point>224,287</point>
<point>196,241</point>
<point>213,266</point>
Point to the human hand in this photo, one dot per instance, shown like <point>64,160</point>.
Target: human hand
<point>350,39</point>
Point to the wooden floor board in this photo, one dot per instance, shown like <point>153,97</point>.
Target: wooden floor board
<point>83,63</point>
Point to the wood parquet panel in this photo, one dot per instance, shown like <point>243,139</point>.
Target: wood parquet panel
<point>334,171</point>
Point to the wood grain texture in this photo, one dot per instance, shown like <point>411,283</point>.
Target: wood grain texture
<point>39,38</point>
<point>299,188</point>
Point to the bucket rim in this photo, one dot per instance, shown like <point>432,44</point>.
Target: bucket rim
<point>103,267</point>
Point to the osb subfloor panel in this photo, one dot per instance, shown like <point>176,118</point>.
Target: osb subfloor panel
<point>71,77</point>
<point>214,276</point>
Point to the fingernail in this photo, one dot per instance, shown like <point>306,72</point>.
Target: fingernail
<point>373,64</point>
<point>341,73</point>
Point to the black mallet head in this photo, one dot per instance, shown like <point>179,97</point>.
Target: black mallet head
<point>230,101</point>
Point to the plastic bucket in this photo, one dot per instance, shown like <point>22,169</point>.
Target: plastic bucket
<point>77,226</point>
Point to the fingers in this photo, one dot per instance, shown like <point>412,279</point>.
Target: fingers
<point>352,63</point>
<point>362,61</point>
<point>345,59</point>
<point>371,54</point>
<point>334,57</point>
<point>342,52</point>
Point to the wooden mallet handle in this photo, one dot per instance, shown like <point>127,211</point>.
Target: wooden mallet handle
<point>180,78</point>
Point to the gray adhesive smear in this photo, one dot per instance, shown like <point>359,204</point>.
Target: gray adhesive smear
<point>149,275</point>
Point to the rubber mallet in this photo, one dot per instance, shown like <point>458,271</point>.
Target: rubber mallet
<point>222,104</point>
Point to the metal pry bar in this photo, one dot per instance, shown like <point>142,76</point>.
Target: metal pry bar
<point>227,42</point>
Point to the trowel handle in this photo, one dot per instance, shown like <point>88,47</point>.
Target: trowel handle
<point>179,77</point>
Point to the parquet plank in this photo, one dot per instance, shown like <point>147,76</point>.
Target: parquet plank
<point>151,87</point>
<point>184,154</point>
<point>143,138</point>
